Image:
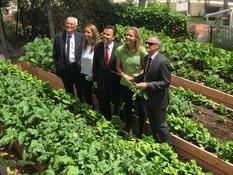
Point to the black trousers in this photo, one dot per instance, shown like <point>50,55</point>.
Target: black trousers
<point>127,95</point>
<point>87,90</point>
<point>71,76</point>
<point>106,96</point>
<point>158,123</point>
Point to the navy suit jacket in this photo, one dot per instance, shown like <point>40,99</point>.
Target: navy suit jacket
<point>158,80</point>
<point>102,73</point>
<point>59,50</point>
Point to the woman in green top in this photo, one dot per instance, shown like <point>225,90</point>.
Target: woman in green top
<point>129,64</point>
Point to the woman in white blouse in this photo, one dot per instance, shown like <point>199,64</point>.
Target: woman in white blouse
<point>92,38</point>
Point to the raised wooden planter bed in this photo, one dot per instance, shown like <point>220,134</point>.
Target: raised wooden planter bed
<point>52,79</point>
<point>187,150</point>
<point>215,95</point>
<point>205,159</point>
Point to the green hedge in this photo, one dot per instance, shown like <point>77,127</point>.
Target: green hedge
<point>156,17</point>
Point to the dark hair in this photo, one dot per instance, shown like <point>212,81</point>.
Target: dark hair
<point>113,28</point>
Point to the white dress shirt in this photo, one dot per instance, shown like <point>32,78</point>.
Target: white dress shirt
<point>87,62</point>
<point>72,48</point>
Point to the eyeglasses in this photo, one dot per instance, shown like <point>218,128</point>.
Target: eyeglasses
<point>150,44</point>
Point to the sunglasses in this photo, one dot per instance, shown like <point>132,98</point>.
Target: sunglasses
<point>150,44</point>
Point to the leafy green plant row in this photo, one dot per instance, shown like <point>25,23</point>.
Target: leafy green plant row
<point>199,62</point>
<point>174,107</point>
<point>64,143</point>
<point>38,53</point>
<point>200,136</point>
<point>189,97</point>
<point>181,105</point>
<point>182,108</point>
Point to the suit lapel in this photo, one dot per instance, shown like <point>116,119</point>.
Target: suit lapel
<point>63,41</point>
<point>102,52</point>
<point>113,53</point>
<point>152,66</point>
<point>153,63</point>
<point>75,44</point>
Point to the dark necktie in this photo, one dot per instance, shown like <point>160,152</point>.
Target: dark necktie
<point>107,55</point>
<point>147,68</point>
<point>68,49</point>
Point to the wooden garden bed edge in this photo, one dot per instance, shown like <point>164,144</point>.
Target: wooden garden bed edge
<point>205,159</point>
<point>215,95</point>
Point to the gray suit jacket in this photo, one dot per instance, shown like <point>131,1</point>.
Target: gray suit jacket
<point>158,80</point>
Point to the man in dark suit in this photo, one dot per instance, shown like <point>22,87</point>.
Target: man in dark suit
<point>104,68</point>
<point>67,50</point>
<point>156,80</point>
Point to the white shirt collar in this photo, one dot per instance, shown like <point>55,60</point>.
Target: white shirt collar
<point>110,46</point>
<point>72,34</point>
<point>154,55</point>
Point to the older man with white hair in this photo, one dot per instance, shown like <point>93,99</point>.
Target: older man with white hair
<point>67,51</point>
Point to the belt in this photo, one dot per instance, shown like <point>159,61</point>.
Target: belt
<point>71,64</point>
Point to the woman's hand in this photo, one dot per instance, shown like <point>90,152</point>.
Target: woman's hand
<point>128,78</point>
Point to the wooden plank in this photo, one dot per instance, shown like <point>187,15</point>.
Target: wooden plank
<point>30,69</point>
<point>19,66</point>
<point>205,159</point>
<point>215,95</point>
<point>52,79</point>
<point>206,166</point>
<point>187,150</point>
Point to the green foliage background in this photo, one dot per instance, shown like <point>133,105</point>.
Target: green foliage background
<point>33,18</point>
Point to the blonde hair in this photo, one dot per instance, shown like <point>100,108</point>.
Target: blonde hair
<point>96,36</point>
<point>138,38</point>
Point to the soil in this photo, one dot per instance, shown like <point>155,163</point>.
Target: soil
<point>220,127</point>
<point>10,156</point>
<point>11,164</point>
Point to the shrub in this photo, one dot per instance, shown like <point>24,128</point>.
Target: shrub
<point>156,17</point>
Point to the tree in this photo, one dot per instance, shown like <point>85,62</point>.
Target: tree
<point>142,3</point>
<point>50,18</point>
<point>3,42</point>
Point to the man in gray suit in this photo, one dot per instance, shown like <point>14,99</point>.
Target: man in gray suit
<point>156,80</point>
<point>67,51</point>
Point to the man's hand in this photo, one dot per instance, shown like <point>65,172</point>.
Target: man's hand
<point>141,86</point>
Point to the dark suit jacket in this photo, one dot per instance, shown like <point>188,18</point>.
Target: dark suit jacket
<point>102,72</point>
<point>59,50</point>
<point>158,80</point>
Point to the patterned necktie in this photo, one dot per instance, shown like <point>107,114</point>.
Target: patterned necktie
<point>147,68</point>
<point>68,49</point>
<point>107,55</point>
